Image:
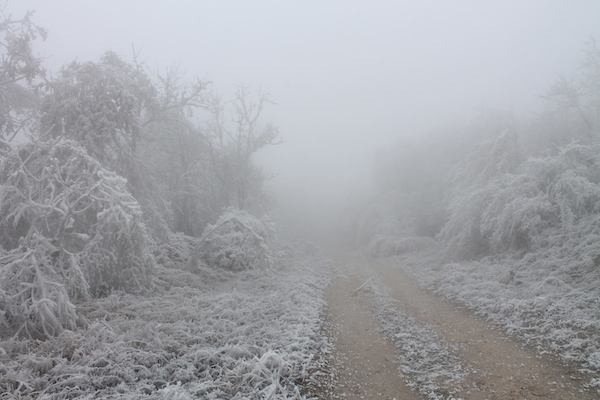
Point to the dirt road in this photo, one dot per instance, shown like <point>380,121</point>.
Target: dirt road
<point>364,361</point>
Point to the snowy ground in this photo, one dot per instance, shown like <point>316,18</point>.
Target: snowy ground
<point>548,301</point>
<point>428,364</point>
<point>210,335</point>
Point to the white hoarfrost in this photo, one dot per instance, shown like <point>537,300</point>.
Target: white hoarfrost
<point>428,364</point>
<point>69,228</point>
<point>549,299</point>
<point>212,334</point>
<point>525,241</point>
<point>237,241</point>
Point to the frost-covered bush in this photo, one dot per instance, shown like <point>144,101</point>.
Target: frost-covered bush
<point>176,251</point>
<point>506,214</point>
<point>462,233</point>
<point>237,241</point>
<point>33,299</point>
<point>67,227</point>
<point>493,158</point>
<point>516,214</point>
<point>571,179</point>
<point>547,197</point>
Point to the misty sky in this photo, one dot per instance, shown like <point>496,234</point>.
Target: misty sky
<point>347,76</point>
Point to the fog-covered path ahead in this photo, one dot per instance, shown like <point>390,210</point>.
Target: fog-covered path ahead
<point>385,328</point>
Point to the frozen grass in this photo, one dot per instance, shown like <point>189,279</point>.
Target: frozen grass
<point>429,365</point>
<point>209,335</point>
<point>550,299</point>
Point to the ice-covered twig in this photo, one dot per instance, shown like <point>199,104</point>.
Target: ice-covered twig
<point>365,283</point>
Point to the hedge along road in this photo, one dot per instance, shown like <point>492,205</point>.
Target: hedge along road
<point>363,362</point>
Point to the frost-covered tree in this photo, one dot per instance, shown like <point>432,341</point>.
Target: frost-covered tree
<point>232,146</point>
<point>69,228</point>
<point>576,101</point>
<point>174,154</point>
<point>20,73</point>
<point>103,106</point>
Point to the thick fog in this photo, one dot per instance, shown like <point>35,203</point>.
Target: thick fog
<point>299,199</point>
<point>347,77</point>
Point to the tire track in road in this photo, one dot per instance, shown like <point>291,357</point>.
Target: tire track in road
<point>363,360</point>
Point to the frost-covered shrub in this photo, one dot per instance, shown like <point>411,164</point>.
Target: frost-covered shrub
<point>507,214</point>
<point>493,158</point>
<point>462,234</point>
<point>571,179</point>
<point>176,251</point>
<point>70,225</point>
<point>237,241</point>
<point>33,298</point>
<point>548,196</point>
<point>516,214</point>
